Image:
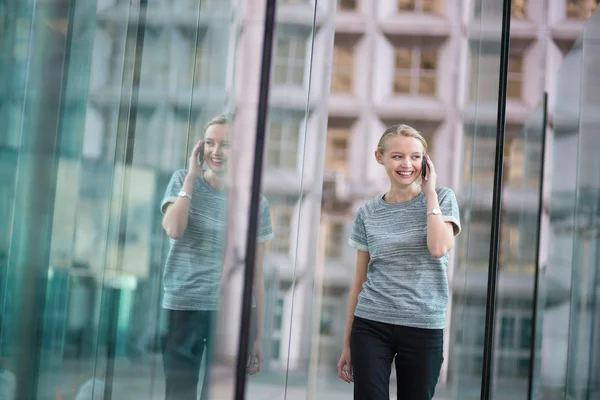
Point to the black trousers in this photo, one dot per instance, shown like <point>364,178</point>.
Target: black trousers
<point>418,355</point>
<point>188,336</point>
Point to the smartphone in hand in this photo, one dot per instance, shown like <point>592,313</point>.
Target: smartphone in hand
<point>200,159</point>
<point>424,167</point>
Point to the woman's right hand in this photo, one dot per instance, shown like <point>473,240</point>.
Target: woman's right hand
<point>344,366</point>
<point>195,169</point>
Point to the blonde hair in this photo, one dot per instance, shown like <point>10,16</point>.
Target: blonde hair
<point>400,130</point>
<point>223,119</point>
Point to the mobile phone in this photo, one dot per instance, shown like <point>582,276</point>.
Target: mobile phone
<point>424,167</point>
<point>200,159</point>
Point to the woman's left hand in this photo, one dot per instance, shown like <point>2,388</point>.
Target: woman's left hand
<point>256,359</point>
<point>428,185</point>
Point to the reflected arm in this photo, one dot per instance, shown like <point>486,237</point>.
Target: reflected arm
<point>176,217</point>
<point>259,290</point>
<point>362,265</point>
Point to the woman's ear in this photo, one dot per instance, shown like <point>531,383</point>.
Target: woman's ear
<point>378,157</point>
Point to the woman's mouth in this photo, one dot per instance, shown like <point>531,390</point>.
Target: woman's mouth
<point>217,161</point>
<point>405,174</point>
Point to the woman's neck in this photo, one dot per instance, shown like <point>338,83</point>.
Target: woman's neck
<point>214,180</point>
<point>401,195</point>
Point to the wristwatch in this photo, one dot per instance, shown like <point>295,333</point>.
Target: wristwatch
<point>184,194</point>
<point>435,211</point>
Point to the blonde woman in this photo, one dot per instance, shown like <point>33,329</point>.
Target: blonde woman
<point>397,305</point>
<point>195,219</point>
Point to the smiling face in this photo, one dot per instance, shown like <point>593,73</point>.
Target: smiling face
<point>216,148</point>
<point>402,158</point>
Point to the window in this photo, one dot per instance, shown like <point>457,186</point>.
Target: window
<point>581,9</point>
<point>420,6</point>
<point>515,77</point>
<point>347,5</point>
<point>519,9</point>
<point>290,57</point>
<point>337,150</point>
<point>335,240</point>
<point>283,142</point>
<point>342,71</point>
<point>281,216</point>
<point>415,71</point>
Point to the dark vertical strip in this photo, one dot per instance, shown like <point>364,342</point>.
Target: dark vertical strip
<point>533,343</point>
<point>488,346</point>
<point>261,126</point>
<point>114,294</point>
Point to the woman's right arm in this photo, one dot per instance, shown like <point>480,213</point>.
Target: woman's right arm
<point>362,263</point>
<point>176,216</point>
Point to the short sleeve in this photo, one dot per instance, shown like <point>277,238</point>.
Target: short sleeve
<point>173,189</point>
<point>265,229</point>
<point>449,208</point>
<point>358,236</point>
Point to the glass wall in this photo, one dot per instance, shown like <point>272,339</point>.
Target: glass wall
<point>570,318</point>
<point>115,284</point>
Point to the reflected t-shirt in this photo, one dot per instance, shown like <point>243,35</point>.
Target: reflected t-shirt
<point>405,284</point>
<point>192,274</point>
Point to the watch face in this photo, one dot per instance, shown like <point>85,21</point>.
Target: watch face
<point>437,211</point>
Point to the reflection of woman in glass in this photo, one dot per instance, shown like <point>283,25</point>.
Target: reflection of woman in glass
<point>195,219</point>
<point>397,306</point>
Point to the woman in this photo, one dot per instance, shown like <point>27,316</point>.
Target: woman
<point>195,219</point>
<point>397,305</point>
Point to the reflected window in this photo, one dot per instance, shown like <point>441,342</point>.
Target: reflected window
<point>342,71</point>
<point>277,326</point>
<point>289,60</point>
<point>522,164</point>
<point>282,212</point>
<point>295,1</point>
<point>327,319</point>
<point>337,150</point>
<point>155,66</point>
<point>415,71</point>
<point>198,64</point>
<point>479,161</point>
<point>283,141</point>
<point>420,6</point>
<point>581,9</point>
<point>494,9</point>
<point>484,76</point>
<point>347,5</point>
<point>335,240</point>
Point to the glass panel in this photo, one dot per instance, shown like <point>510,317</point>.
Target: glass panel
<point>90,295</point>
<point>570,306</point>
<point>291,179</point>
<point>470,273</point>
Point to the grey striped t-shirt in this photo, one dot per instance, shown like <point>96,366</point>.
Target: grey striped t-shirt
<point>405,284</point>
<point>192,275</point>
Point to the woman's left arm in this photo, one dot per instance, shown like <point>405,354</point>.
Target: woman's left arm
<point>440,233</point>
